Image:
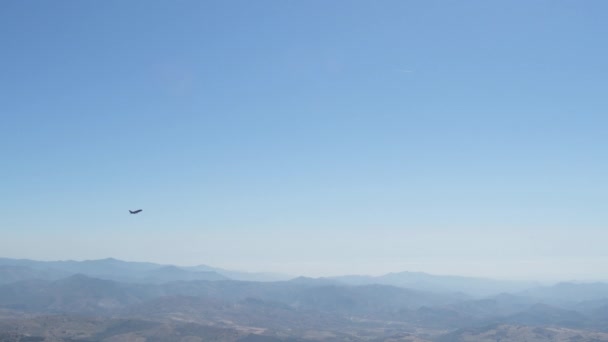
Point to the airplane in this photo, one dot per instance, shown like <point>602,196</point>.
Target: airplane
<point>135,211</point>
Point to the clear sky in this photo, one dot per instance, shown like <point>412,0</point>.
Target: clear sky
<point>308,137</point>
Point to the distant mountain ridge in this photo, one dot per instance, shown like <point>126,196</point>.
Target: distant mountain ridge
<point>439,283</point>
<point>124,271</point>
<point>13,273</point>
<point>290,307</point>
<point>146,272</point>
<point>567,293</point>
<point>82,294</point>
<point>12,270</point>
<point>190,301</point>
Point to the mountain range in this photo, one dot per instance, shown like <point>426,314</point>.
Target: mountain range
<point>144,272</point>
<point>126,271</point>
<point>113,300</point>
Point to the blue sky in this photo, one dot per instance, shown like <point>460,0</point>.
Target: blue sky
<point>313,137</point>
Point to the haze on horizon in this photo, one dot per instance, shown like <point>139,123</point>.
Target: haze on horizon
<point>314,138</point>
